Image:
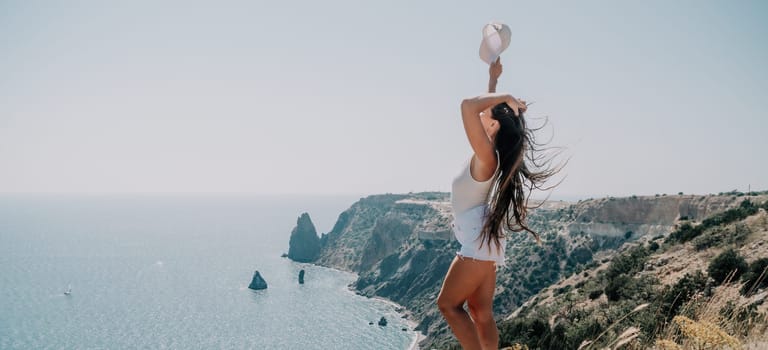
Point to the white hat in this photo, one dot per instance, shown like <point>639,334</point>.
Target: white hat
<point>496,37</point>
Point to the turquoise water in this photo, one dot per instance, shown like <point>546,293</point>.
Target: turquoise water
<point>171,272</point>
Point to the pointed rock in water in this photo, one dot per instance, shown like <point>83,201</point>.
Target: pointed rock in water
<point>301,277</point>
<point>257,282</point>
<point>304,245</point>
<point>382,321</point>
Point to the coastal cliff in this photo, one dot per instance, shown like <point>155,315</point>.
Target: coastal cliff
<point>304,245</point>
<point>703,282</point>
<point>378,226</point>
<point>401,245</point>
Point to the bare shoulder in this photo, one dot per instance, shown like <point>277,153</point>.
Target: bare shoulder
<point>482,171</point>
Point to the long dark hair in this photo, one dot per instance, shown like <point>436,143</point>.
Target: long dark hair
<point>522,166</point>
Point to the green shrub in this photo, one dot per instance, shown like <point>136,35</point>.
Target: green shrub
<point>726,263</point>
<point>537,334</point>
<point>556,339</point>
<point>719,236</point>
<point>653,246</point>
<point>587,329</point>
<point>628,262</point>
<point>687,232</point>
<point>743,314</point>
<point>581,255</point>
<point>595,294</point>
<point>525,331</point>
<point>746,208</point>
<point>740,233</point>
<point>756,276</point>
<point>706,241</point>
<point>625,287</point>
<point>562,290</point>
<point>619,288</point>
<point>674,297</point>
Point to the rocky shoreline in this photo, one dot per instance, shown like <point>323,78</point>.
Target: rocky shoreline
<point>406,315</point>
<point>400,246</point>
<point>401,311</point>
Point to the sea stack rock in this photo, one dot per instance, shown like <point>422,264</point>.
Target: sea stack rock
<point>257,282</point>
<point>301,277</point>
<point>304,245</point>
<point>382,321</point>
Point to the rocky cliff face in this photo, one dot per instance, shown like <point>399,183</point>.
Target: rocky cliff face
<point>382,239</point>
<point>651,280</point>
<point>401,245</point>
<point>642,215</point>
<point>577,236</point>
<point>374,228</point>
<point>304,245</point>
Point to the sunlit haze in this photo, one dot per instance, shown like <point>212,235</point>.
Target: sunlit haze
<point>351,97</point>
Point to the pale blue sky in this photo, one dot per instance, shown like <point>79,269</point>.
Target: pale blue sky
<point>353,97</point>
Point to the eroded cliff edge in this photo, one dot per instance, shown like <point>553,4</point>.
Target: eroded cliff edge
<point>400,245</point>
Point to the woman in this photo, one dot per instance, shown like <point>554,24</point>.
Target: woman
<point>487,195</point>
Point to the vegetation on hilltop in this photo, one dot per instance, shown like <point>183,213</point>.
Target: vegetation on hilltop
<point>698,311</point>
<point>595,275</point>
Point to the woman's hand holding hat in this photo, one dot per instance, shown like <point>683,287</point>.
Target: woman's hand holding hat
<point>495,69</point>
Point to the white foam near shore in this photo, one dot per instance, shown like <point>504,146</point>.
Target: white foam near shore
<point>411,324</point>
<point>416,341</point>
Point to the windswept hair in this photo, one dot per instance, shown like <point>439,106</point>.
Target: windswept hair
<point>522,167</point>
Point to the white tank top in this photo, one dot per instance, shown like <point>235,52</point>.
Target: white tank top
<point>467,193</point>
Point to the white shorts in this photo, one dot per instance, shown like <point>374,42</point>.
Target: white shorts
<point>466,227</point>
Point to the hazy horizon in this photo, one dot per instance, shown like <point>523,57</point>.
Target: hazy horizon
<point>352,196</point>
<point>349,98</point>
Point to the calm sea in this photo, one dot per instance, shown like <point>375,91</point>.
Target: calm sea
<point>171,272</point>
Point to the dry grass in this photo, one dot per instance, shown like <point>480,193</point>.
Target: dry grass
<point>516,347</point>
<point>664,344</point>
<point>723,321</point>
<point>705,335</point>
<point>625,338</point>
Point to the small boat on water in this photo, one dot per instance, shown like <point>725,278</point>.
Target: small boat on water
<point>69,290</point>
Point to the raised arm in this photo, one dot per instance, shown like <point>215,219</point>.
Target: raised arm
<point>470,115</point>
<point>494,72</point>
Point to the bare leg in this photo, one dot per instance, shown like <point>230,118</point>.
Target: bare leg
<point>463,278</point>
<point>481,308</point>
